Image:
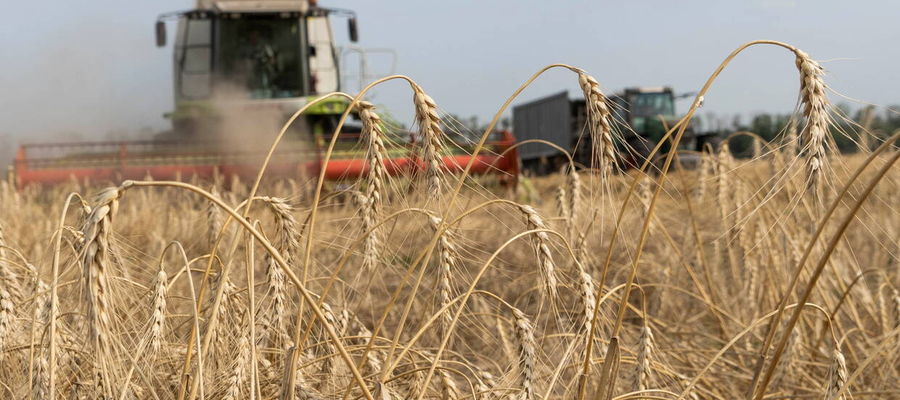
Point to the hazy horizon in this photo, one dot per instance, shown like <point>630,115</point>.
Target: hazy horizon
<point>93,69</point>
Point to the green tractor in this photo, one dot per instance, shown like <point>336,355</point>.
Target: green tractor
<point>641,116</point>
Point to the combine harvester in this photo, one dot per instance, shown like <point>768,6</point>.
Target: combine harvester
<point>241,68</point>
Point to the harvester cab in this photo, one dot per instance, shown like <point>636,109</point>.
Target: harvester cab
<point>237,61</point>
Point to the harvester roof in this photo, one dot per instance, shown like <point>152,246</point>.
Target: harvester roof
<point>254,5</point>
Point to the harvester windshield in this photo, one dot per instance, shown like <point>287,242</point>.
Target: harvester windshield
<point>262,56</point>
<point>257,56</point>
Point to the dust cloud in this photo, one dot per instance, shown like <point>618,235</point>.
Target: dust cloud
<point>77,72</point>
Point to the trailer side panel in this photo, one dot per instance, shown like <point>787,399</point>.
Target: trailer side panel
<point>548,118</point>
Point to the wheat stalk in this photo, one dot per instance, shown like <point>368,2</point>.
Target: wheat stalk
<point>785,364</point>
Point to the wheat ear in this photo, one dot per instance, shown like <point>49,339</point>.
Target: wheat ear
<point>6,316</point>
<point>287,229</point>
<point>644,357</point>
<point>526,344</point>
<point>327,347</point>
<point>484,384</point>
<point>432,138</point>
<point>95,264</point>
<point>213,220</point>
<point>39,387</point>
<point>541,244</point>
<point>287,241</point>
<point>236,376</point>
<point>8,276</point>
<point>837,376</point>
<point>815,111</point>
<point>373,134</point>
<point>447,256</point>
<point>374,359</point>
<point>600,127</point>
<point>574,197</point>
<point>724,199</point>
<point>449,390</point>
<point>277,314</point>
<point>703,177</point>
<point>588,299</point>
<point>158,317</point>
<point>896,296</point>
<point>562,206</point>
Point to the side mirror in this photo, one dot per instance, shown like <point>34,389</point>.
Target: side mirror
<point>160,33</point>
<point>354,32</point>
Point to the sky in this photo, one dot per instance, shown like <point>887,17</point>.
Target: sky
<point>90,70</point>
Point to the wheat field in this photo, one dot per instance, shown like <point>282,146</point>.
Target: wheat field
<point>773,276</point>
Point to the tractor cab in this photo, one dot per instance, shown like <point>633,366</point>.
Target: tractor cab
<point>646,111</point>
<point>644,115</point>
<point>251,63</point>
